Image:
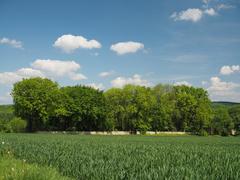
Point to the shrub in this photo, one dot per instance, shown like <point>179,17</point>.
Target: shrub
<point>18,124</point>
<point>203,133</point>
<point>5,126</point>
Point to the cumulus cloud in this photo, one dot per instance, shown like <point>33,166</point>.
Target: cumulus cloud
<point>12,77</point>
<point>126,47</point>
<point>9,77</point>
<point>226,70</point>
<point>55,67</point>
<point>99,86</point>
<point>44,68</point>
<point>191,14</point>
<point>68,43</point>
<point>106,73</point>
<point>119,82</point>
<point>218,85</point>
<point>196,14</point>
<point>29,72</point>
<point>12,42</point>
<point>182,83</point>
<point>223,91</point>
<point>58,68</point>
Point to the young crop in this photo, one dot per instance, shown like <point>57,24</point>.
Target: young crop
<point>130,157</point>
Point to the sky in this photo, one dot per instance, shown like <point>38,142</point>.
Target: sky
<point>108,43</point>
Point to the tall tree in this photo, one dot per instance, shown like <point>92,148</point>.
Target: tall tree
<point>89,112</point>
<point>33,101</point>
<point>193,109</point>
<point>222,122</point>
<point>234,112</point>
<point>163,108</point>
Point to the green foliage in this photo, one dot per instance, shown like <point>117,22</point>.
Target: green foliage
<point>203,132</point>
<point>14,125</point>
<point>5,126</point>
<point>6,112</point>
<point>18,125</point>
<point>88,109</point>
<point>234,112</point>
<point>222,122</point>
<point>130,107</point>
<point>33,101</point>
<point>193,109</point>
<point>129,157</point>
<point>163,108</point>
<point>45,106</point>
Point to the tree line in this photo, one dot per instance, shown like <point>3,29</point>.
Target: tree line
<point>47,106</point>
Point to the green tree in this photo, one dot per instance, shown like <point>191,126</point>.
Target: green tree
<point>222,122</point>
<point>61,114</point>
<point>234,112</point>
<point>130,107</point>
<point>88,109</point>
<point>163,108</point>
<point>193,109</point>
<point>33,101</point>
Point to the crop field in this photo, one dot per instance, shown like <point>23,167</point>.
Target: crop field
<point>128,157</point>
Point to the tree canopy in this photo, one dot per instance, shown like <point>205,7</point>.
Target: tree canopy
<point>46,106</point>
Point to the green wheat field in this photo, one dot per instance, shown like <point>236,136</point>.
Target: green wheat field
<point>127,157</point>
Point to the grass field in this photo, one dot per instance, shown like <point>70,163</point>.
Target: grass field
<point>129,157</point>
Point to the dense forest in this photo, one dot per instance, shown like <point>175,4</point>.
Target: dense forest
<point>41,104</point>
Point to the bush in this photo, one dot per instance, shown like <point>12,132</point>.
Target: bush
<point>5,126</point>
<point>203,133</point>
<point>17,125</point>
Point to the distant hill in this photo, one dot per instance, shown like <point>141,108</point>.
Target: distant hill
<point>6,112</point>
<point>6,108</point>
<point>224,103</point>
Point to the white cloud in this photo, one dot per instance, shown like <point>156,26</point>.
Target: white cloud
<point>191,14</point>
<point>9,77</point>
<point>106,73</point>
<point>12,77</point>
<point>196,14</point>
<point>223,91</point>
<point>99,86</point>
<point>12,42</point>
<point>226,70</point>
<point>56,67</point>
<point>218,85</point>
<point>210,12</point>
<point>44,68</point>
<point>126,47</point>
<point>29,72</point>
<point>68,43</point>
<point>135,80</point>
<point>182,83</point>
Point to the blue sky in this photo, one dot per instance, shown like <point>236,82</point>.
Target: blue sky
<point>112,43</point>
